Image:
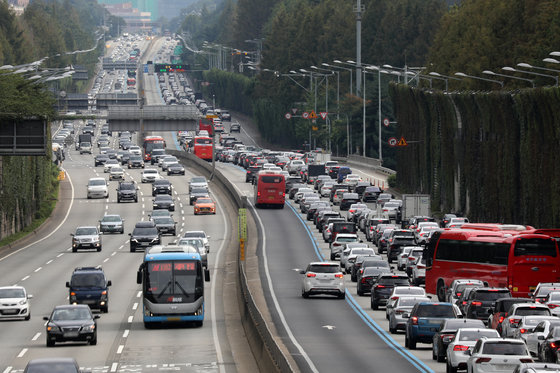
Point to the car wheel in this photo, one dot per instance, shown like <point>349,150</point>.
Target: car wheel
<point>412,344</point>
<point>198,324</point>
<point>406,341</point>
<point>360,292</point>
<point>99,249</point>
<point>93,341</point>
<point>342,295</point>
<point>392,330</point>
<point>118,200</point>
<point>105,309</point>
<point>333,256</point>
<point>434,355</point>
<point>74,249</point>
<point>132,249</point>
<point>50,342</point>
<point>122,232</point>
<point>304,294</point>
<point>450,369</point>
<point>374,305</point>
<point>353,278</point>
<point>135,199</point>
<point>28,317</point>
<point>440,358</point>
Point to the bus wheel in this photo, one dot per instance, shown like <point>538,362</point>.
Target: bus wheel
<point>441,290</point>
<point>198,324</point>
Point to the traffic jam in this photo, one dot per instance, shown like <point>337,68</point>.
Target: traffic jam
<point>485,296</point>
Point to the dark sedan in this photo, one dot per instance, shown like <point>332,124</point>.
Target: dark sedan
<point>196,193</point>
<point>446,334</point>
<point>161,186</point>
<point>163,201</point>
<point>73,322</point>
<point>100,159</point>
<point>368,277</point>
<point>165,225</point>
<point>175,169</point>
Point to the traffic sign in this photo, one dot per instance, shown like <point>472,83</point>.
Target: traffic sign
<point>294,110</point>
<point>402,142</point>
<point>386,122</point>
<point>324,114</point>
<point>288,116</point>
<point>305,115</point>
<point>313,115</point>
<point>315,128</point>
<point>393,141</point>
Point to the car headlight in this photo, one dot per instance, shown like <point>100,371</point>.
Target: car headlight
<point>155,239</point>
<point>88,328</point>
<point>23,301</point>
<point>53,328</point>
<point>134,240</point>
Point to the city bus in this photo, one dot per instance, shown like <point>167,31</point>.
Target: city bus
<point>202,147</point>
<point>151,143</point>
<point>172,279</point>
<point>270,189</point>
<point>515,257</point>
<point>131,82</point>
<point>206,124</point>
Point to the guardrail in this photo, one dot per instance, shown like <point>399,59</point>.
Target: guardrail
<point>372,163</point>
<point>266,349</point>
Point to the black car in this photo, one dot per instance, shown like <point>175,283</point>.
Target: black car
<point>336,187</point>
<point>348,199</point>
<point>396,244</point>
<point>196,193</point>
<point>135,161</point>
<point>370,194</point>
<point>112,153</point>
<point>357,265</point>
<point>252,173</point>
<point>53,364</point>
<point>175,169</point>
<point>71,323</point>
<point>88,129</point>
<point>480,302</point>
<point>163,201</point>
<point>165,224</point>
<point>161,186</point>
<point>127,191</point>
<point>446,334</point>
<point>100,159</point>
<point>549,347</point>
<point>145,234</point>
<point>125,158</point>
<point>88,285</point>
<point>383,287</point>
<point>156,153</point>
<point>368,276</point>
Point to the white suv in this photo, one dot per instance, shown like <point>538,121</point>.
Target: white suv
<point>497,355</point>
<point>323,278</point>
<point>97,188</point>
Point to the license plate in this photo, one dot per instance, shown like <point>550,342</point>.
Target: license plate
<point>10,312</point>
<point>71,335</point>
<point>270,197</point>
<point>144,243</point>
<point>173,319</point>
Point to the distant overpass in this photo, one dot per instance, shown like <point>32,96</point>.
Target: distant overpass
<point>153,118</point>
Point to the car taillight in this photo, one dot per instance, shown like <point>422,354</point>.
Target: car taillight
<point>514,321</point>
<point>447,337</point>
<point>552,306</point>
<point>500,319</point>
<point>311,275</point>
<point>411,258</point>
<point>72,294</point>
<point>522,331</point>
<point>414,320</point>
<point>525,360</point>
<point>380,286</point>
<point>553,345</point>
<point>339,275</point>
<point>258,194</point>
<point>394,298</point>
<point>460,348</point>
<point>458,294</point>
<point>464,302</point>
<point>476,303</point>
<point>481,360</point>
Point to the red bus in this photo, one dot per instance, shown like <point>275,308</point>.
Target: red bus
<point>131,82</point>
<point>202,147</point>
<point>515,259</point>
<point>270,189</point>
<point>206,124</point>
<point>151,143</point>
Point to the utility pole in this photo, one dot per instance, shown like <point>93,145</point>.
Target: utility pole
<point>358,10</point>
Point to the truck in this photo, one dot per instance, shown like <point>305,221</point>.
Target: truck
<point>415,205</point>
<point>313,171</point>
<point>83,138</point>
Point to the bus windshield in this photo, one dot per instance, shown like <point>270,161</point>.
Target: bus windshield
<point>151,145</point>
<point>203,141</point>
<point>535,246</point>
<point>173,281</point>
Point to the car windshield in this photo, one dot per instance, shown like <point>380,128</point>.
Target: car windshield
<point>490,295</point>
<point>127,186</point>
<point>504,348</point>
<point>435,310</point>
<point>324,268</point>
<point>396,281</point>
<point>475,335</point>
<point>411,301</point>
<point>346,239</point>
<point>111,219</point>
<point>163,220</point>
<point>150,171</point>
<point>361,251</point>
<point>86,231</point>
<point>88,280</point>
<point>161,198</point>
<point>531,321</point>
<point>193,242</point>
<point>532,311</point>
<point>376,263</point>
<point>145,232</point>
<point>410,290</point>
<point>198,180</point>
<point>71,314</point>
<point>195,234</point>
<point>461,288</point>
<point>199,191</point>
<point>97,182</point>
<point>203,200</point>
<point>12,293</point>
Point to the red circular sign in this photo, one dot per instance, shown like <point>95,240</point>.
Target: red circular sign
<point>393,141</point>
<point>288,116</point>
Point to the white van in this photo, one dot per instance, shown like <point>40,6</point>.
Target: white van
<point>97,188</point>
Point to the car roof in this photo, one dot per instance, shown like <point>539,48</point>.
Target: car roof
<point>334,264</point>
<point>12,287</point>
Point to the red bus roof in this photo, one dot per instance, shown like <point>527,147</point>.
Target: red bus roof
<point>497,227</point>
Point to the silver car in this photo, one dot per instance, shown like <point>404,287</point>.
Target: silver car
<point>323,278</point>
<point>198,182</point>
<point>464,340</point>
<point>396,308</point>
<point>87,237</point>
<point>198,243</point>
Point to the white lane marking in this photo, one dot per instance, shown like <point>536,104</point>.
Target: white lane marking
<point>106,260</point>
<point>182,224</point>
<point>181,204</point>
<point>139,294</point>
<point>106,207</point>
<point>130,318</point>
<point>59,255</point>
<point>38,269</point>
<point>143,206</point>
<point>7,370</point>
<point>114,367</point>
<point>22,352</point>
<point>36,336</point>
<point>25,278</point>
<point>56,229</point>
<point>213,295</point>
<point>275,299</point>
<point>183,212</point>
<point>135,306</point>
<point>125,334</point>
<point>49,262</point>
<point>113,253</point>
<point>119,350</point>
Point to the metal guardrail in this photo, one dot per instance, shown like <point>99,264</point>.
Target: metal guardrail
<point>371,163</point>
<point>266,350</point>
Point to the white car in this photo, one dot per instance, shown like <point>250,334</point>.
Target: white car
<point>116,173</point>
<point>323,278</point>
<point>167,161</point>
<point>199,234</point>
<point>528,324</point>
<point>517,311</point>
<point>349,254</point>
<point>352,180</point>
<point>135,149</point>
<point>397,307</point>
<point>402,258</point>
<point>149,175</point>
<point>456,222</point>
<point>14,303</point>
<point>497,355</point>
<point>198,182</point>
<point>340,242</point>
<point>110,163</point>
<point>295,165</point>
<point>465,339</point>
<point>419,272</point>
<point>552,301</point>
<point>97,188</point>
<point>539,334</point>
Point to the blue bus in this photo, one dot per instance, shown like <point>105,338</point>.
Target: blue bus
<point>172,279</point>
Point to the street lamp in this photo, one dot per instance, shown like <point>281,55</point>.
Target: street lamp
<point>488,72</point>
<point>463,75</point>
<point>508,68</point>
<point>528,66</point>
<point>337,84</point>
<point>340,67</point>
<point>443,77</point>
